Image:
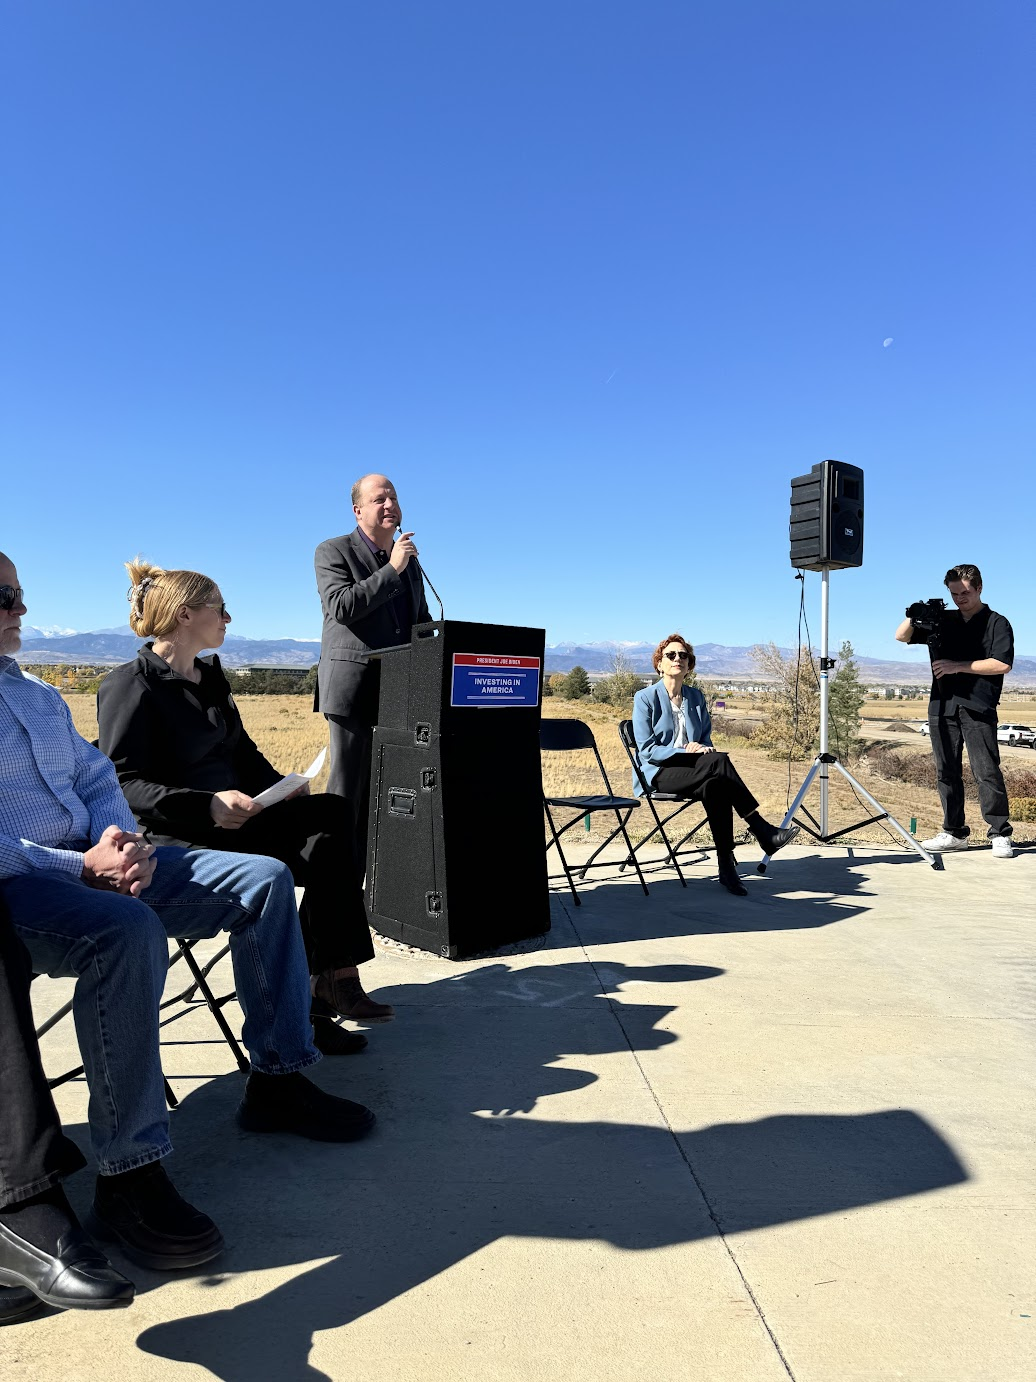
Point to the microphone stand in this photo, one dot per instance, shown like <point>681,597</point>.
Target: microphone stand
<point>825,760</point>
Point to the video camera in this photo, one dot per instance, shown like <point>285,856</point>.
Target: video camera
<point>925,615</point>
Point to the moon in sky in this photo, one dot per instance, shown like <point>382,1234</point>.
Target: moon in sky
<point>887,342</point>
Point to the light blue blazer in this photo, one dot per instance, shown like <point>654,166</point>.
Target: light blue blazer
<point>654,727</point>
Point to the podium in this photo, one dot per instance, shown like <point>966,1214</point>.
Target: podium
<point>456,862</point>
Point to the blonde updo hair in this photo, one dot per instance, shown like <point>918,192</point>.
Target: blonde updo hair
<point>155,596</point>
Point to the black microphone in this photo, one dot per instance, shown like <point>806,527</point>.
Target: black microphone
<point>424,575</point>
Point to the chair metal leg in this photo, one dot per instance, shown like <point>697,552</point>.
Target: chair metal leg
<point>691,833</point>
<point>607,842</point>
<point>214,1005</point>
<point>54,1019</point>
<point>629,847</point>
<point>561,855</point>
<point>206,970</point>
<point>659,830</point>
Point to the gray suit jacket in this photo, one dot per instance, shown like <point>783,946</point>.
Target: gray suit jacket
<point>356,597</point>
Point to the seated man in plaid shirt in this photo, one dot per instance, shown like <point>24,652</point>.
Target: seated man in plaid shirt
<point>92,899</point>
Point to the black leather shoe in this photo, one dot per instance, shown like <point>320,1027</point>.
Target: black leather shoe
<point>772,839</point>
<point>77,1277</point>
<point>151,1222</point>
<point>17,1303</point>
<point>728,876</point>
<point>291,1103</point>
<point>332,1040</point>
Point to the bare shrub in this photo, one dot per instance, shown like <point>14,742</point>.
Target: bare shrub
<point>791,725</point>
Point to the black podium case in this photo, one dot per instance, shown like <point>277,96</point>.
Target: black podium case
<point>456,861</point>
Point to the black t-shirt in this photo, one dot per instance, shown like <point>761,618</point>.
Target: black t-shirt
<point>985,634</point>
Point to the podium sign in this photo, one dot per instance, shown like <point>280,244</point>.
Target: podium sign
<point>495,680</point>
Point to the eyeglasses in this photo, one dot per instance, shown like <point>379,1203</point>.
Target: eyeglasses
<point>676,657</point>
<point>10,595</point>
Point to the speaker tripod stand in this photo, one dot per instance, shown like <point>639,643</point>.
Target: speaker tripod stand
<point>825,761</point>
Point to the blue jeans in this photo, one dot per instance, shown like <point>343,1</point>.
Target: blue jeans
<point>117,949</point>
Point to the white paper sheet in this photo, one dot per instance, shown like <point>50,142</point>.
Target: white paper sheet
<point>291,783</point>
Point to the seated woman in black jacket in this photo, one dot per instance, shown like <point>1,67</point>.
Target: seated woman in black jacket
<point>191,772</point>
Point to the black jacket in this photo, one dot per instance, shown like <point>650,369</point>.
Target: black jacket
<point>174,744</point>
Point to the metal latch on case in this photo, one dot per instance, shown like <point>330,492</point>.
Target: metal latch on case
<point>402,801</point>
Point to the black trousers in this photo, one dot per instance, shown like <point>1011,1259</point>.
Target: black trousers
<point>713,780</point>
<point>350,774</point>
<point>34,1153</point>
<point>977,731</point>
<point>351,736</point>
<point>313,835</point>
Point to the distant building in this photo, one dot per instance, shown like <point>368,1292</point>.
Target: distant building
<point>298,672</point>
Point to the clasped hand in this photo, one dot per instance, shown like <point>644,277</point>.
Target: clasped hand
<point>698,748</point>
<point>121,861</point>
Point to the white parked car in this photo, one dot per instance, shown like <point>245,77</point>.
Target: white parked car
<point>1016,734</point>
<point>924,727</point>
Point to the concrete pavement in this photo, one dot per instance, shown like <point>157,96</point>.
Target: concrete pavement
<point>687,1136</point>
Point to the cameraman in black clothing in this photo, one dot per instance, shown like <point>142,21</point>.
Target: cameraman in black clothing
<point>972,648</point>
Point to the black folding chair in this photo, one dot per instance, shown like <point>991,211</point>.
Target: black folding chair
<point>564,736</point>
<point>629,743</point>
<point>199,982</point>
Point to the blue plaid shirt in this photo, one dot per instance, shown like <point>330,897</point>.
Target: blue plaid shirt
<point>58,794</point>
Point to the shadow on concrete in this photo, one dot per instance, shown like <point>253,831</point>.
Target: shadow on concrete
<point>796,893</point>
<point>455,1166</point>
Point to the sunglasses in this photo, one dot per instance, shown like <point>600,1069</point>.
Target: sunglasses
<point>10,595</point>
<point>221,607</point>
<point>676,657</point>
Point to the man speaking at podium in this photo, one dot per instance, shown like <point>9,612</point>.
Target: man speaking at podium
<point>372,594</point>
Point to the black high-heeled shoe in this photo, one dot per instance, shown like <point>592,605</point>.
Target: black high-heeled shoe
<point>771,837</point>
<point>728,876</point>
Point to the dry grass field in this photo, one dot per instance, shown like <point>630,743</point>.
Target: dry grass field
<point>568,774</point>
<point>290,735</point>
<point>284,727</point>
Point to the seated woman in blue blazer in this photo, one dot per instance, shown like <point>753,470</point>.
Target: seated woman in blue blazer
<point>673,730</point>
<point>190,772</point>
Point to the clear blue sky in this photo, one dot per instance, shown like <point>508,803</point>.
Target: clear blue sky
<point>591,281</point>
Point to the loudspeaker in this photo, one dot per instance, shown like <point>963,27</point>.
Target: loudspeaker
<point>827,517</point>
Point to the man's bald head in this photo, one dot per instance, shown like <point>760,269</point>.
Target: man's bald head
<point>376,507</point>
<point>367,482</point>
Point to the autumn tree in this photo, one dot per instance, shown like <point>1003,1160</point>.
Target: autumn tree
<point>791,703</point>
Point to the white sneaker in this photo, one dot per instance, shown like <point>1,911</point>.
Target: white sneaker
<point>944,842</point>
<point>1002,847</point>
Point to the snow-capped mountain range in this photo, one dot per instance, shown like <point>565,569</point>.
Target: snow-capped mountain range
<point>104,647</point>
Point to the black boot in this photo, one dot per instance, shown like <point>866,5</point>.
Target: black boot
<point>728,875</point>
<point>332,1040</point>
<point>771,837</point>
<point>153,1224</point>
<point>291,1103</point>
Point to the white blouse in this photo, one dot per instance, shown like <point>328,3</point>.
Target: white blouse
<point>681,740</point>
